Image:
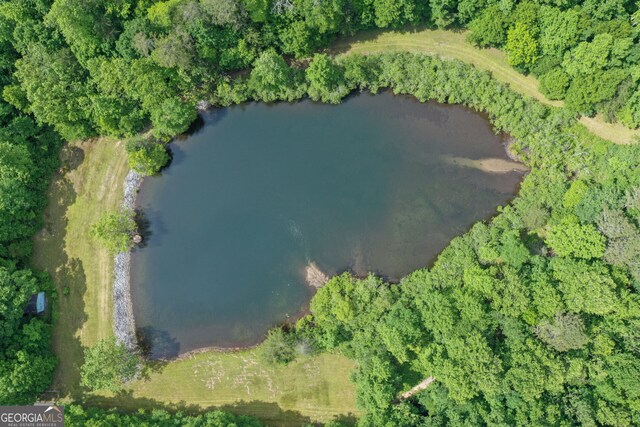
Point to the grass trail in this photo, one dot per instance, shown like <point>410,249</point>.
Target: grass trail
<point>453,45</point>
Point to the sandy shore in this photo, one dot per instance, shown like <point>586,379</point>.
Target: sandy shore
<point>490,165</point>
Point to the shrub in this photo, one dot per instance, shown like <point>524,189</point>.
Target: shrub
<point>554,84</point>
<point>147,158</point>
<point>172,117</point>
<point>279,348</point>
<point>489,28</point>
<point>115,231</point>
<point>107,365</point>
<point>326,80</point>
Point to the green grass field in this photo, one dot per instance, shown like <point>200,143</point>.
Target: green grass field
<point>89,183</point>
<point>453,45</point>
<point>314,388</point>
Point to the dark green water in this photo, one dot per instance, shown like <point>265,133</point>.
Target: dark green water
<point>261,190</point>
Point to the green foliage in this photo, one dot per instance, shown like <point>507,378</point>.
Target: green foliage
<point>566,332</point>
<point>174,51</point>
<point>28,157</point>
<point>222,12</point>
<point>570,238</point>
<point>560,30</point>
<point>18,204</point>
<point>326,80</point>
<point>172,117</point>
<point>586,91</point>
<point>28,365</point>
<point>326,16</point>
<point>147,157</point>
<point>521,47</point>
<point>26,361</point>
<point>489,28</point>
<point>54,84</point>
<point>258,9</point>
<point>78,416</point>
<point>629,115</point>
<point>394,13</point>
<point>575,194</point>
<point>278,347</point>
<point>87,26</point>
<point>623,241</point>
<point>498,319</point>
<point>273,80</point>
<point>595,68</point>
<point>162,12</point>
<point>115,231</point>
<point>593,56</point>
<point>585,288</point>
<point>298,39</point>
<point>108,365</point>
<point>17,287</point>
<point>192,44</point>
<point>554,84</point>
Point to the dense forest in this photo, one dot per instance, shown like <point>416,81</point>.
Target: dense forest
<point>77,416</point>
<point>113,67</point>
<point>530,319</point>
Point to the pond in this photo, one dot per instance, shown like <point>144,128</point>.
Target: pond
<point>376,184</point>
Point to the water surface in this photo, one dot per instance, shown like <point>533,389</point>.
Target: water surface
<point>262,190</point>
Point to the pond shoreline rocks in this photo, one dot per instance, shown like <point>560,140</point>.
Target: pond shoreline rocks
<point>123,321</point>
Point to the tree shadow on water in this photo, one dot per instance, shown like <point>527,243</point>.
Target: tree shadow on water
<point>156,344</point>
<point>176,155</point>
<point>143,224</point>
<point>151,227</point>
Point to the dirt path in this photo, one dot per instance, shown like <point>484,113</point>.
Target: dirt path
<point>453,45</point>
<point>423,385</point>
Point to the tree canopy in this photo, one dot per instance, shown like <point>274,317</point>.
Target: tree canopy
<point>108,365</point>
<point>115,231</point>
<point>530,318</point>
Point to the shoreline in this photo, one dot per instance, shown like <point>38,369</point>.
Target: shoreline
<point>124,320</point>
<point>124,326</point>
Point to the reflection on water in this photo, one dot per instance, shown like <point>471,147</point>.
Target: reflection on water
<point>155,343</point>
<point>260,191</point>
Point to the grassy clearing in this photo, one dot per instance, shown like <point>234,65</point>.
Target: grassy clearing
<point>453,45</point>
<point>90,183</point>
<point>315,388</point>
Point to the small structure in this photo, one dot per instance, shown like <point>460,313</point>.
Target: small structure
<point>137,239</point>
<point>37,304</point>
